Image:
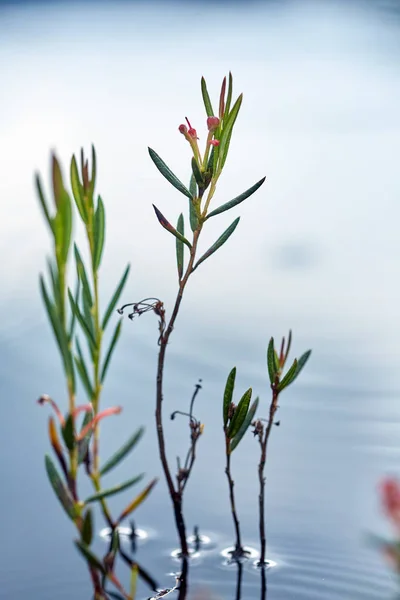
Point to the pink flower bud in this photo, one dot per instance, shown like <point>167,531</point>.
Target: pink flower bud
<point>192,132</point>
<point>214,142</point>
<point>212,123</point>
<point>183,129</point>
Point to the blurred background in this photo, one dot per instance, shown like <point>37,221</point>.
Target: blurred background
<point>316,250</point>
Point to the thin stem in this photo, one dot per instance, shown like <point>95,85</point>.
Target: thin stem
<point>238,544</point>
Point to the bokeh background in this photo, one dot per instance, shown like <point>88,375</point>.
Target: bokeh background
<point>317,250</point>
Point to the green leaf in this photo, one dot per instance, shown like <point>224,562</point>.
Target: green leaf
<point>206,98</point>
<point>59,488</point>
<point>115,298</point>
<point>300,365</point>
<point>167,225</point>
<point>246,424</point>
<point>122,452</point>
<point>198,175</point>
<point>114,490</point>
<point>228,393</point>
<point>73,316</point>
<point>180,227</point>
<point>133,581</point>
<point>99,233</point>
<point>80,268</point>
<point>90,557</point>
<point>66,219</point>
<point>137,501</point>
<point>220,241</point>
<point>240,414</point>
<point>93,175</point>
<point>289,377</point>
<point>68,433</point>
<point>228,98</point>
<point>237,200</point>
<point>58,331</point>
<point>83,372</point>
<point>43,202</point>
<point>77,190</point>
<point>87,528</point>
<point>271,361</point>
<point>194,221</point>
<point>83,444</point>
<point>111,348</point>
<point>168,174</point>
<point>86,327</point>
<point>227,131</point>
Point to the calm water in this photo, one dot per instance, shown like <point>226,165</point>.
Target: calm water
<point>317,250</point>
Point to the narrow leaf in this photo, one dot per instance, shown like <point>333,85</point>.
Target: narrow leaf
<point>93,175</point>
<point>167,225</point>
<point>122,452</point>
<point>168,174</point>
<point>68,433</point>
<point>180,227</point>
<point>83,444</point>
<point>114,490</point>
<point>301,363</point>
<point>99,233</point>
<point>198,175</point>
<point>194,222</point>
<point>80,268</point>
<point>43,202</point>
<point>77,190</point>
<point>133,581</point>
<point>59,488</point>
<point>246,424</point>
<point>289,377</point>
<point>228,98</point>
<point>228,393</point>
<point>90,557</point>
<point>137,501</point>
<point>240,414</point>
<point>272,370</point>
<point>237,200</point>
<point>86,327</point>
<point>83,372</point>
<point>87,528</point>
<point>73,316</point>
<point>115,298</point>
<point>111,349</point>
<point>206,98</point>
<point>220,241</point>
<point>227,131</point>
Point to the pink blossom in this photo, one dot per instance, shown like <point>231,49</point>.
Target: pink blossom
<point>390,489</point>
<point>212,123</point>
<point>214,142</point>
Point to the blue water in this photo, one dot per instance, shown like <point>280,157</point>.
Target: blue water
<point>316,251</point>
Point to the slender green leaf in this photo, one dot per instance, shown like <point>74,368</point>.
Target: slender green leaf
<point>167,225</point>
<point>43,203</point>
<point>227,131</point>
<point>77,190</point>
<point>55,284</point>
<point>180,227</point>
<point>198,175</point>
<point>59,488</point>
<point>228,98</point>
<point>289,377</point>
<point>194,222</point>
<point>237,200</point>
<point>301,363</point>
<point>240,414</point>
<point>114,490</point>
<point>137,501</point>
<point>83,444</point>
<point>192,186</point>
<point>133,581</point>
<point>80,268</point>
<point>228,393</point>
<point>90,557</point>
<point>87,528</point>
<point>73,316</point>
<point>57,180</point>
<point>206,98</point>
<point>272,370</point>
<point>122,452</point>
<point>66,212</point>
<point>115,298</point>
<point>68,433</point>
<point>246,424</point>
<point>168,174</point>
<point>220,241</point>
<point>111,348</point>
<point>86,327</point>
<point>99,233</point>
<point>93,175</point>
<point>83,372</point>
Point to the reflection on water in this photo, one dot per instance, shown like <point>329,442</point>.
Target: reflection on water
<point>316,250</point>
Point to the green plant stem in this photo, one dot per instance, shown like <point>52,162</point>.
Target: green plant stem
<point>261,468</point>
<point>238,544</point>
